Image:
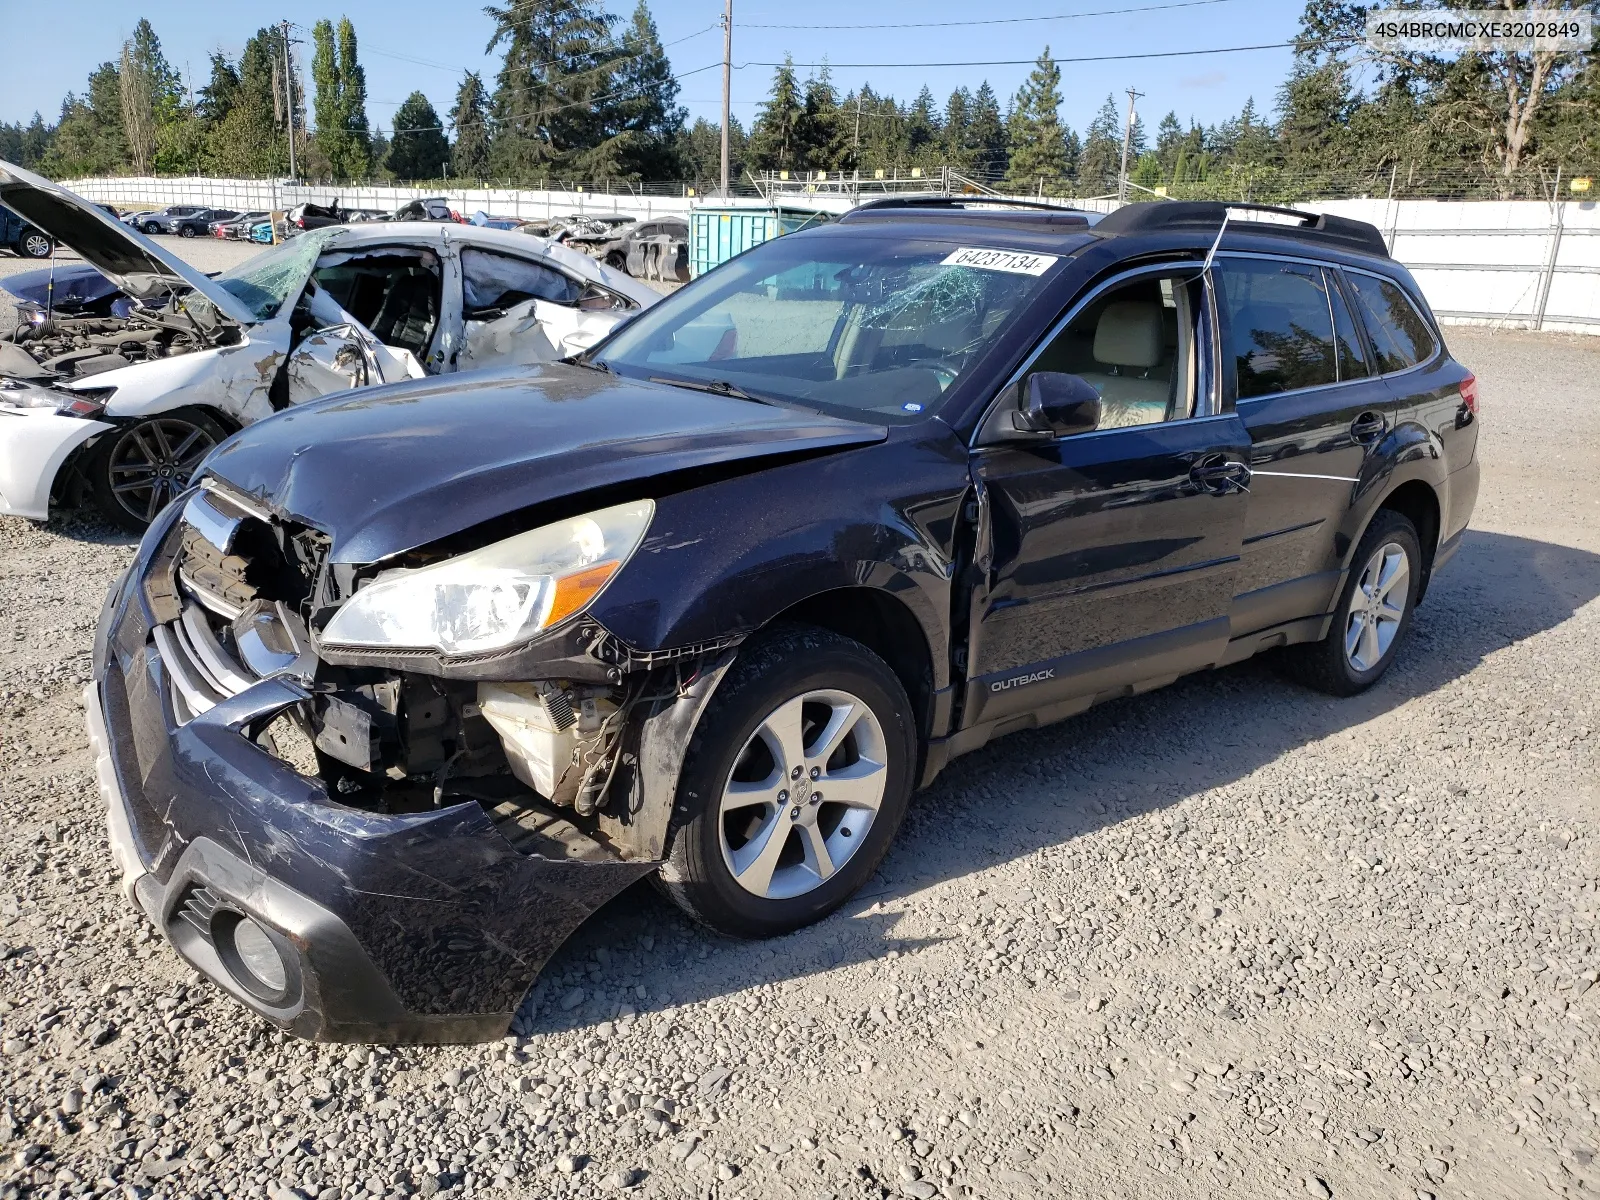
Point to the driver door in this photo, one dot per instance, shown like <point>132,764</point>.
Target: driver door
<point>1111,556</point>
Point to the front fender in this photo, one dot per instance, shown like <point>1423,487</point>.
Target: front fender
<point>34,444</point>
<point>234,380</point>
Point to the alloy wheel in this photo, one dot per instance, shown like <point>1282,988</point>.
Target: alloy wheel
<point>36,245</point>
<point>1377,606</point>
<point>152,463</point>
<point>804,790</point>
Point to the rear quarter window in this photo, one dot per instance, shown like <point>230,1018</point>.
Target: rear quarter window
<point>1400,336</point>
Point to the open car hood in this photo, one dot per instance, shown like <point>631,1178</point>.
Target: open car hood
<point>130,260</point>
<point>384,470</point>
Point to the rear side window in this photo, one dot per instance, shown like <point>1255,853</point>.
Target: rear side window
<point>1352,354</point>
<point>1280,331</point>
<point>1400,337</point>
<point>492,283</point>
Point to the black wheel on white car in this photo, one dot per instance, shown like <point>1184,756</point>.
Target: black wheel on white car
<point>794,784</point>
<point>1374,611</point>
<point>135,471</point>
<point>34,244</point>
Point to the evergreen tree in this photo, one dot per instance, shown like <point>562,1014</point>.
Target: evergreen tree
<point>1315,106</point>
<point>646,115</point>
<point>89,138</point>
<point>922,130</point>
<point>991,149</point>
<point>819,129</point>
<point>956,142</point>
<point>700,151</point>
<point>1038,143</point>
<point>469,157</point>
<point>251,139</point>
<point>773,144</point>
<point>150,95</point>
<point>1101,160</point>
<point>218,96</point>
<point>418,149</point>
<point>1168,136</point>
<point>551,95</point>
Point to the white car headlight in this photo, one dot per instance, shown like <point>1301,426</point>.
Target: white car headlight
<point>497,596</point>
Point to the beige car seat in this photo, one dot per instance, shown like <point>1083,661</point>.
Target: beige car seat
<point>1129,339</point>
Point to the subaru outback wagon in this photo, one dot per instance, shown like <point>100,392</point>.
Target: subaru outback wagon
<point>416,678</point>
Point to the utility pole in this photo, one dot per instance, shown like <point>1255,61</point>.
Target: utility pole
<point>288,89</point>
<point>727,86</point>
<point>1127,141</point>
<point>858,125</point>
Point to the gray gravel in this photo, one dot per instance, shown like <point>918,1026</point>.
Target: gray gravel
<point>1229,938</point>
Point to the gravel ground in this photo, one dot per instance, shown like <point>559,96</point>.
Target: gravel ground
<point>1228,938</point>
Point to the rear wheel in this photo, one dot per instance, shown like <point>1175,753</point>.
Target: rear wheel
<point>137,470</point>
<point>1373,615</point>
<point>795,784</point>
<point>34,244</point>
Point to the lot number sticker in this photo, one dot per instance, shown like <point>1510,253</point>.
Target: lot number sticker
<point>1013,261</point>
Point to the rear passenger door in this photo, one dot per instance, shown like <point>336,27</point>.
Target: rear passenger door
<point>1300,374</point>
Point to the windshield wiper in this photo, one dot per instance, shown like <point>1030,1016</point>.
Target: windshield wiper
<point>587,363</point>
<point>717,387</point>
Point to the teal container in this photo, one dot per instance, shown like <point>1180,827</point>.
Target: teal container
<point>717,234</point>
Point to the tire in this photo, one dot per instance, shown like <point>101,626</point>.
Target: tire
<point>150,227</point>
<point>186,231</point>
<point>1368,626</point>
<point>33,244</point>
<point>736,797</point>
<point>160,453</point>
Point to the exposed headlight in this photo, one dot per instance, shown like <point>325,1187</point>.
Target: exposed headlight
<point>498,596</point>
<point>85,402</point>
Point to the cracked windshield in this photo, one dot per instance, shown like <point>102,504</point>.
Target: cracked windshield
<point>880,326</point>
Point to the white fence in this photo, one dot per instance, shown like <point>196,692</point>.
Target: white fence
<point>1517,263</point>
<point>250,194</point>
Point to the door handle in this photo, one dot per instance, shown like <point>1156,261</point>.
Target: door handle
<point>1221,476</point>
<point>1368,427</point>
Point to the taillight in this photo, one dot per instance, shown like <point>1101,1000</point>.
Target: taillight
<point>1469,393</point>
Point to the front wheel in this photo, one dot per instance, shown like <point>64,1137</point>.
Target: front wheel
<point>187,231</point>
<point>34,244</point>
<point>794,785</point>
<point>1373,615</point>
<point>136,471</point>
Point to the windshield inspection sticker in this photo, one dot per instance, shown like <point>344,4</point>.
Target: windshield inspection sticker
<point>1012,261</point>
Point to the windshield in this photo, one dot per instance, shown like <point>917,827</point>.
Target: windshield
<point>264,282</point>
<point>880,325</point>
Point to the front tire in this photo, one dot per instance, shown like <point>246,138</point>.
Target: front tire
<point>135,471</point>
<point>187,231</point>
<point>794,784</point>
<point>34,244</point>
<point>1373,615</point>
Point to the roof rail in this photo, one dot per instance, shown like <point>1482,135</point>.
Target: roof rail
<point>1154,216</point>
<point>884,207</point>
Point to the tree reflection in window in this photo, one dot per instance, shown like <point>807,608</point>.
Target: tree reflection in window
<point>1280,331</point>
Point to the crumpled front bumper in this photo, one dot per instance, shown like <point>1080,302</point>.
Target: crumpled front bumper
<point>34,445</point>
<point>424,927</point>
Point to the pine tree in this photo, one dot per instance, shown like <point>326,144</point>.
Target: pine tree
<point>922,130</point>
<point>1038,144</point>
<point>217,97</point>
<point>700,151</point>
<point>822,142</point>
<point>551,92</point>
<point>956,142</point>
<point>1169,135</point>
<point>646,116</point>
<point>990,147</point>
<point>150,95</point>
<point>251,138</point>
<point>773,145</point>
<point>469,157</point>
<point>89,138</point>
<point>418,149</point>
<point>1101,160</point>
<point>1315,106</point>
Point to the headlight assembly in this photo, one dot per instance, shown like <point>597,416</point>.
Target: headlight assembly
<point>498,596</point>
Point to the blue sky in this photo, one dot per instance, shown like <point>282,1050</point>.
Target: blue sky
<point>411,44</point>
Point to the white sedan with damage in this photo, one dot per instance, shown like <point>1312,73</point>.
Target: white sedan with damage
<point>121,409</point>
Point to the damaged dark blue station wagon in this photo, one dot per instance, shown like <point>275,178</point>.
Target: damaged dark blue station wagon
<point>414,679</point>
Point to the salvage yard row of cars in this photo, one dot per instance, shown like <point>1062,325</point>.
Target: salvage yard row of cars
<point>407,681</point>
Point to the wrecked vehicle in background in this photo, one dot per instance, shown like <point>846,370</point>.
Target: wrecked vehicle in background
<point>120,409</point>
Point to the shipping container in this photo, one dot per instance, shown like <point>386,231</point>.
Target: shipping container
<point>718,231</point>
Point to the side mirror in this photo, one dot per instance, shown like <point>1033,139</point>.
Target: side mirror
<point>1055,404</point>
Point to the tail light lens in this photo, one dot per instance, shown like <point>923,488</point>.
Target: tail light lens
<point>1469,393</point>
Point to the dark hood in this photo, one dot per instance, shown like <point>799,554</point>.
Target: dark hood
<point>389,469</point>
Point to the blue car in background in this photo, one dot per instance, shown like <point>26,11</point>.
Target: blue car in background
<point>21,238</point>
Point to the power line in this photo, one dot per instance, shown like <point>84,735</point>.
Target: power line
<point>1028,62</point>
<point>1104,12</point>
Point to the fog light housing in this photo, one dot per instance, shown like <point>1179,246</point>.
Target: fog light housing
<point>254,956</point>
